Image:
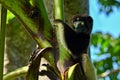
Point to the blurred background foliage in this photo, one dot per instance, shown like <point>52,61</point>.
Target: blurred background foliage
<point>108,5</point>
<point>19,46</point>
<point>107,55</point>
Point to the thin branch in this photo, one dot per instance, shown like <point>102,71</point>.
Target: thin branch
<point>109,73</point>
<point>17,73</point>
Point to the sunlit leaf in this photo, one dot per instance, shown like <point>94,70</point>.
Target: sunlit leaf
<point>75,73</point>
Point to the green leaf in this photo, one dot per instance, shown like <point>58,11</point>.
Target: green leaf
<point>15,74</point>
<point>75,73</point>
<point>32,19</point>
<point>71,72</point>
<point>44,24</point>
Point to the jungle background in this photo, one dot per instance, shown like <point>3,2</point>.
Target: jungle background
<point>19,45</point>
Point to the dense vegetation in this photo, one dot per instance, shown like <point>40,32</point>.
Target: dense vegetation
<point>106,47</point>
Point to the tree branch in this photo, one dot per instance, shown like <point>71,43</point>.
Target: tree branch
<point>108,73</point>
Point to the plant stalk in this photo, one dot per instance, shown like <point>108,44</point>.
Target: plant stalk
<point>2,39</point>
<point>59,9</point>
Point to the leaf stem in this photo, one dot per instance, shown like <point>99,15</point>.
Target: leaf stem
<point>59,9</point>
<point>17,73</point>
<point>2,39</point>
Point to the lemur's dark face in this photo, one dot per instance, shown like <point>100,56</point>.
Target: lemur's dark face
<point>82,24</point>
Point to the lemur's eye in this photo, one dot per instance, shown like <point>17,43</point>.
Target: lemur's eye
<point>82,23</point>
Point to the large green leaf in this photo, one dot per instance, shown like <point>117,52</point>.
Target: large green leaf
<point>34,19</point>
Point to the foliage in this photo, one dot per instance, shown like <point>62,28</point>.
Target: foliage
<point>15,33</point>
<point>33,16</point>
<point>20,72</point>
<point>107,46</point>
<point>106,49</point>
<point>108,5</point>
<point>26,13</point>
